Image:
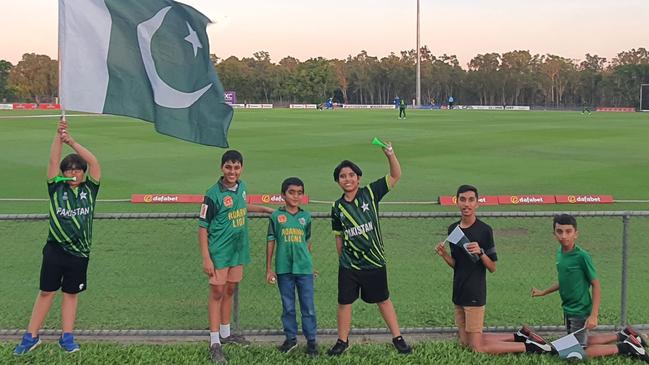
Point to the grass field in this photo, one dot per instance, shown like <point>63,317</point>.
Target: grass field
<point>439,353</point>
<point>146,274</point>
<point>500,152</point>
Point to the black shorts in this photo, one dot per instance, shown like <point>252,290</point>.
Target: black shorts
<point>62,270</point>
<point>372,285</point>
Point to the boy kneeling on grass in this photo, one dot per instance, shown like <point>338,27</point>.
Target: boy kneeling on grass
<point>577,275</point>
<point>470,263</point>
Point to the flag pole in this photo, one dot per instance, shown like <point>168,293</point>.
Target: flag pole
<point>418,83</point>
<point>60,63</point>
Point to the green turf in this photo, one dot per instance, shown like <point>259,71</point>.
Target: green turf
<point>441,353</point>
<point>500,152</point>
<point>147,274</point>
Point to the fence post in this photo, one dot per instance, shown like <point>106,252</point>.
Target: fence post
<point>625,254</point>
<point>235,308</point>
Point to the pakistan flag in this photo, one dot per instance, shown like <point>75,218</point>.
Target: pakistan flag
<point>148,59</point>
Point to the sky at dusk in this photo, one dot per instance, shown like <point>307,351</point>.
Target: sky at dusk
<point>336,28</point>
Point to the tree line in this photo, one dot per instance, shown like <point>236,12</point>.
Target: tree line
<point>512,78</point>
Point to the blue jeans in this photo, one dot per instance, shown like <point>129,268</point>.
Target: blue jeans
<point>287,284</point>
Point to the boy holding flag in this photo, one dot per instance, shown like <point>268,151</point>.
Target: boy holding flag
<point>67,251</point>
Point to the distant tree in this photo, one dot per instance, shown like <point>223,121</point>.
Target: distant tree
<point>5,69</point>
<point>287,80</point>
<point>513,78</point>
<point>395,77</point>
<point>316,79</point>
<point>342,77</point>
<point>483,75</point>
<point>627,80</point>
<point>591,72</point>
<point>632,57</point>
<point>556,70</point>
<point>263,72</point>
<point>237,76</point>
<point>361,77</point>
<point>516,68</point>
<point>35,77</point>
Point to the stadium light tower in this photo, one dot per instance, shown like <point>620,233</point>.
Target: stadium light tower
<point>418,100</point>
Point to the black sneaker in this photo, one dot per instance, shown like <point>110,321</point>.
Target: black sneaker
<point>401,345</point>
<point>534,347</point>
<point>287,346</point>
<point>312,348</point>
<point>234,339</point>
<point>338,349</point>
<point>629,331</point>
<point>522,335</point>
<point>525,334</point>
<point>632,347</point>
<point>216,354</point>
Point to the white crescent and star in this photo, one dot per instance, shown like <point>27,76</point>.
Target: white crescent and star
<point>163,94</point>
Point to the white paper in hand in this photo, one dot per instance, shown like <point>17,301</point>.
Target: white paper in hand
<point>457,237</point>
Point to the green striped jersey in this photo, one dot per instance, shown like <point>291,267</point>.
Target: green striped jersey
<point>357,222</point>
<point>224,215</point>
<point>71,213</point>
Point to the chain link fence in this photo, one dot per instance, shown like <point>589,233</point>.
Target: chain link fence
<point>146,271</point>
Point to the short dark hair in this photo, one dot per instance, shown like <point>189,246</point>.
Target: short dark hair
<point>291,181</point>
<point>346,163</point>
<point>73,161</point>
<point>465,188</point>
<point>232,156</point>
<point>564,219</point>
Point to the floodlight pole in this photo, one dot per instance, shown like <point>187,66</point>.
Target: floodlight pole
<point>418,100</point>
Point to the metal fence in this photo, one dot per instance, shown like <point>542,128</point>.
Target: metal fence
<point>420,282</point>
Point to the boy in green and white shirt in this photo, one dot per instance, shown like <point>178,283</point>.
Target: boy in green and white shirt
<point>225,247</point>
<point>289,235</point>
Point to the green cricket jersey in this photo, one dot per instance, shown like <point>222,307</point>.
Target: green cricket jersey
<point>224,215</point>
<point>576,272</point>
<point>357,222</point>
<point>291,233</point>
<point>71,213</point>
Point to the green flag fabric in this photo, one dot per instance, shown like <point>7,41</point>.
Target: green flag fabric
<point>147,59</point>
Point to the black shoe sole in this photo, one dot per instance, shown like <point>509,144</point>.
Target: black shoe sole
<point>332,354</point>
<point>289,350</point>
